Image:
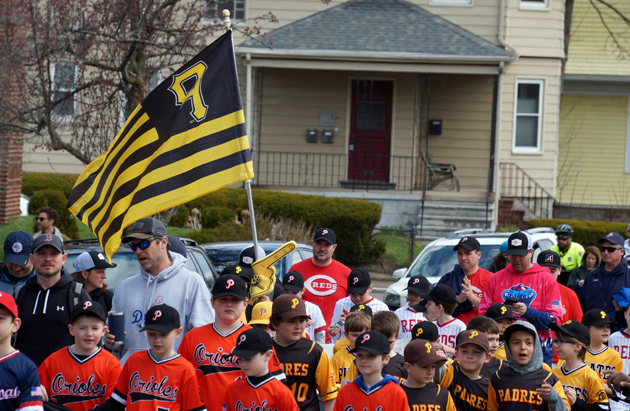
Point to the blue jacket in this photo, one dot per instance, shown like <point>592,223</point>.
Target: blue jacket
<point>11,285</point>
<point>600,285</point>
<point>454,279</point>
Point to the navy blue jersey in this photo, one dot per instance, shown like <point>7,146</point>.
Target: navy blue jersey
<point>19,384</point>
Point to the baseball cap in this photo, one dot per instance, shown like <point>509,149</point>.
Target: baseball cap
<point>8,302</point>
<point>325,234</point>
<point>162,318</point>
<point>503,247</point>
<point>469,243</point>
<point>251,342</point>
<point>419,285</point>
<point>177,245</point>
<point>47,239</point>
<point>231,285</point>
<point>613,237</point>
<point>596,317</point>
<point>473,337</point>
<point>499,311</point>
<point>293,281</point>
<point>288,307</point>
<point>91,259</point>
<point>358,281</point>
<point>548,258</point>
<point>145,228</point>
<point>88,308</point>
<point>442,293</point>
<point>373,342</point>
<point>248,257</point>
<point>426,330</point>
<point>261,313</point>
<point>17,247</point>
<point>422,353</point>
<point>519,243</point>
<point>573,329</point>
<point>517,326</point>
<point>366,309</point>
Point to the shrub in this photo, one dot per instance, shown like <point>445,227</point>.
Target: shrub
<point>212,216</point>
<point>584,232</point>
<point>180,218</point>
<point>57,200</point>
<point>32,182</point>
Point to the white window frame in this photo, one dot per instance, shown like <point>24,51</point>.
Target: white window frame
<point>535,5</point>
<point>541,103</point>
<point>54,90</point>
<point>237,5</point>
<point>467,3</point>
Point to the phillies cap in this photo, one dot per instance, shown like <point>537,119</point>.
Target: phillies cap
<point>596,317</point>
<point>422,353</point>
<point>573,329</point>
<point>17,248</point>
<point>549,258</point>
<point>425,330</point>
<point>8,302</point>
<point>358,281</point>
<point>177,245</point>
<point>162,318</point>
<point>231,285</point>
<point>288,307</point>
<point>519,243</point>
<point>325,234</point>
<point>88,308</point>
<point>469,243</point>
<point>419,285</point>
<point>613,237</point>
<point>293,281</point>
<point>91,259</point>
<point>365,309</point>
<point>473,337</point>
<point>441,293</point>
<point>261,313</point>
<point>499,311</point>
<point>144,229</point>
<point>251,342</point>
<point>47,239</point>
<point>373,342</point>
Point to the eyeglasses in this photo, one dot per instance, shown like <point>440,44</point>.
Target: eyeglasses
<point>609,249</point>
<point>562,238</point>
<point>560,342</point>
<point>41,218</point>
<point>143,245</point>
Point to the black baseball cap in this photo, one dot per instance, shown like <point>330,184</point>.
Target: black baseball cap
<point>288,307</point>
<point>596,317</point>
<point>425,330</point>
<point>91,259</point>
<point>519,243</point>
<point>162,318</point>
<point>442,293</point>
<point>88,308</point>
<point>358,281</point>
<point>613,237</point>
<point>548,258</point>
<point>363,308</point>
<point>17,247</point>
<point>499,311</point>
<point>373,342</point>
<point>144,229</point>
<point>293,281</point>
<point>573,329</point>
<point>251,342</point>
<point>47,239</point>
<point>231,285</point>
<point>422,353</point>
<point>229,269</point>
<point>419,285</point>
<point>469,243</point>
<point>325,234</point>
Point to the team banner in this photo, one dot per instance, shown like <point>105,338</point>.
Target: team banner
<point>186,139</point>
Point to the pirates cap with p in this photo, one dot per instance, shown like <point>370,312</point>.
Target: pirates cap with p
<point>573,329</point>
<point>288,307</point>
<point>421,352</point>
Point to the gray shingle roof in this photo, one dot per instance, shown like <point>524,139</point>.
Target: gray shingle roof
<point>380,26</point>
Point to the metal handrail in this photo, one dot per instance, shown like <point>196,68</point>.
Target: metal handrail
<point>517,184</point>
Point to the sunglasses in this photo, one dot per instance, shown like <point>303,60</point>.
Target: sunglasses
<point>41,218</point>
<point>609,249</point>
<point>562,238</point>
<point>560,342</point>
<point>143,245</point>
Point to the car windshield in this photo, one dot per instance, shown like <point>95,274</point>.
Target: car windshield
<point>442,259</point>
<point>126,266</point>
<point>222,257</point>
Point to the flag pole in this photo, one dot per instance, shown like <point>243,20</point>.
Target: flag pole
<point>248,184</point>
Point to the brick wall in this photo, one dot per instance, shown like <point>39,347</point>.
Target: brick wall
<point>510,216</point>
<point>11,145</point>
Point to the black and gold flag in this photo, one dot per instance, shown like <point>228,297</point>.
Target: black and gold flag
<point>186,139</point>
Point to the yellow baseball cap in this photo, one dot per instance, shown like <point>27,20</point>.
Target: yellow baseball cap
<point>261,313</point>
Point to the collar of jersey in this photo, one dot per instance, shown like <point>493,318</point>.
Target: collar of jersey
<point>361,384</point>
<point>256,382</point>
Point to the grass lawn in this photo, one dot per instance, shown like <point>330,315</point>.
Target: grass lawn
<point>397,245</point>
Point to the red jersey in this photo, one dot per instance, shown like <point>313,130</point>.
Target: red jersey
<point>148,384</point>
<point>79,384</point>
<point>384,395</point>
<point>478,282</point>
<point>259,393</point>
<point>209,352</point>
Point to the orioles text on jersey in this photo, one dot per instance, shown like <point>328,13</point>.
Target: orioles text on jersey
<point>78,387</point>
<point>218,361</point>
<point>140,390</point>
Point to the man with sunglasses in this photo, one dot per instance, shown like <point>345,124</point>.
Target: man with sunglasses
<point>46,219</point>
<point>569,251</point>
<point>611,275</point>
<point>163,279</point>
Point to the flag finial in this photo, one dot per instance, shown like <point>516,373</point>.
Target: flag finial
<point>226,19</point>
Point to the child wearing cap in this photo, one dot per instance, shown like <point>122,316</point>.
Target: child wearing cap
<point>208,347</point>
<point>304,362</point>
<point>261,313</point>
<point>490,328</point>
<point>427,330</point>
<point>620,342</point>
<point>502,315</point>
<point>158,378</point>
<point>581,384</point>
<point>372,391</point>
<point>342,362</point>
<point>359,289</point>
<point>293,283</point>
<point>525,385</point>
<point>91,266</point>
<point>388,324</point>
<point>83,363</point>
<point>417,289</point>
<point>259,390</point>
<point>18,375</point>
<point>440,304</point>
<point>343,342</point>
<point>421,361</point>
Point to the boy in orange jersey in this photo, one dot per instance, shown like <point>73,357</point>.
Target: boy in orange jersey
<point>82,375</point>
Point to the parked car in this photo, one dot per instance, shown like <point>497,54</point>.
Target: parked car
<point>438,258</point>
<point>127,265</point>
<point>224,254</point>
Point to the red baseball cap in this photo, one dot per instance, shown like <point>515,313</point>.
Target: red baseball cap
<point>8,302</point>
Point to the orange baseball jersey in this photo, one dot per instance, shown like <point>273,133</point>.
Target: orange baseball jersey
<point>500,353</point>
<point>209,351</point>
<point>343,365</point>
<point>79,384</point>
<point>431,397</point>
<point>468,395</point>
<point>149,384</point>
<point>384,395</point>
<point>259,393</point>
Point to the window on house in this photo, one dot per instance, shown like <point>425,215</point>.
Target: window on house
<point>236,7</point>
<point>64,77</point>
<point>528,116</point>
<point>534,4</point>
<point>450,2</point>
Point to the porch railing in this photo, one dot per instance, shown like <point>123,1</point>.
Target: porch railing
<point>517,184</point>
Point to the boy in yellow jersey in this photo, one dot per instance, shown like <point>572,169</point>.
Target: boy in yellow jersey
<point>342,361</point>
<point>502,314</point>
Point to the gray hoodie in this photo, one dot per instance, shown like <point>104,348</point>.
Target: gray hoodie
<point>176,286</point>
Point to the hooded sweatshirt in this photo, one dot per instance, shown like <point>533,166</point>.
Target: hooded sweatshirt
<point>600,285</point>
<point>176,286</point>
<point>513,388</point>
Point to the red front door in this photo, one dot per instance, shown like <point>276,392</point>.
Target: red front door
<point>370,130</point>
